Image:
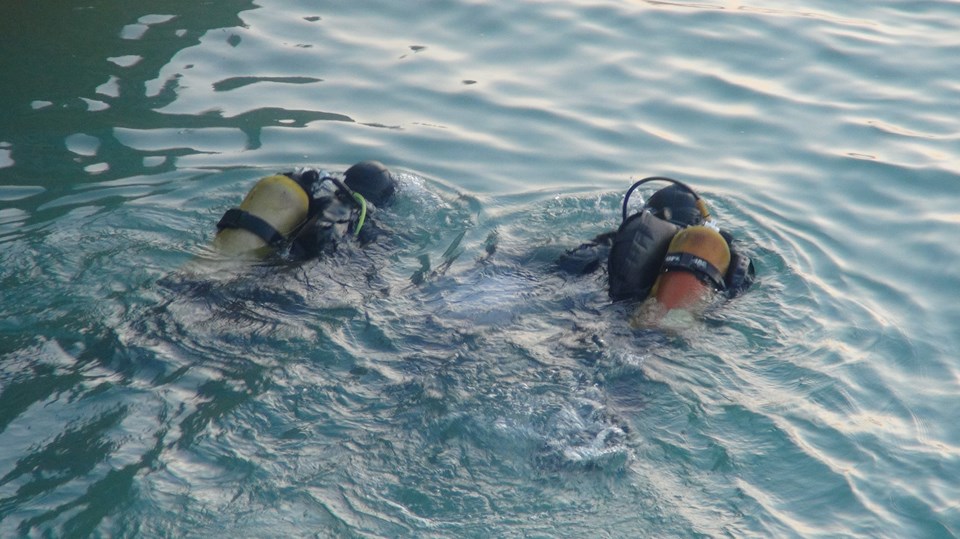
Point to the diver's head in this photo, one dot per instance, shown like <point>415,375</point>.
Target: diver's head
<point>372,181</point>
<point>677,204</point>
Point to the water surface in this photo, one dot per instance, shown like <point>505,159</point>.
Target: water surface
<point>448,381</point>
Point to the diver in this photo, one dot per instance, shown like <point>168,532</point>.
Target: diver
<point>308,211</point>
<point>671,250</point>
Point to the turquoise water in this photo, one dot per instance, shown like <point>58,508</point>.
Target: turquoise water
<point>447,381</point>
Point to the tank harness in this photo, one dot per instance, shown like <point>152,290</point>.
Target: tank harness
<point>673,252</point>
<point>279,207</point>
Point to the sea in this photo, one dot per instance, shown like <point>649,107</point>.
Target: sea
<point>450,380</point>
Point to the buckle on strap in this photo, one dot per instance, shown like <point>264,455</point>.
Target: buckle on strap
<point>244,220</point>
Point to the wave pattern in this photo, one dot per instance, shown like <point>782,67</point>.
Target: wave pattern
<point>448,381</point>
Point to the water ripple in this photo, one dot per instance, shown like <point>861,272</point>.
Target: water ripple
<point>447,381</point>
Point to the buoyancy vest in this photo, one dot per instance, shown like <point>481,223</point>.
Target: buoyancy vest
<point>637,253</point>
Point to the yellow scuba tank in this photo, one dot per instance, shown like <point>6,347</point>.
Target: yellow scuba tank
<point>696,262</point>
<point>274,208</point>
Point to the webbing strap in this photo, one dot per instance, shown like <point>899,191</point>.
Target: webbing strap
<point>696,265</point>
<point>244,220</point>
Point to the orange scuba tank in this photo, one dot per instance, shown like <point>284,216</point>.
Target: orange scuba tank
<point>696,262</point>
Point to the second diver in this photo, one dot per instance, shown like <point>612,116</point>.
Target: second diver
<point>671,250</point>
